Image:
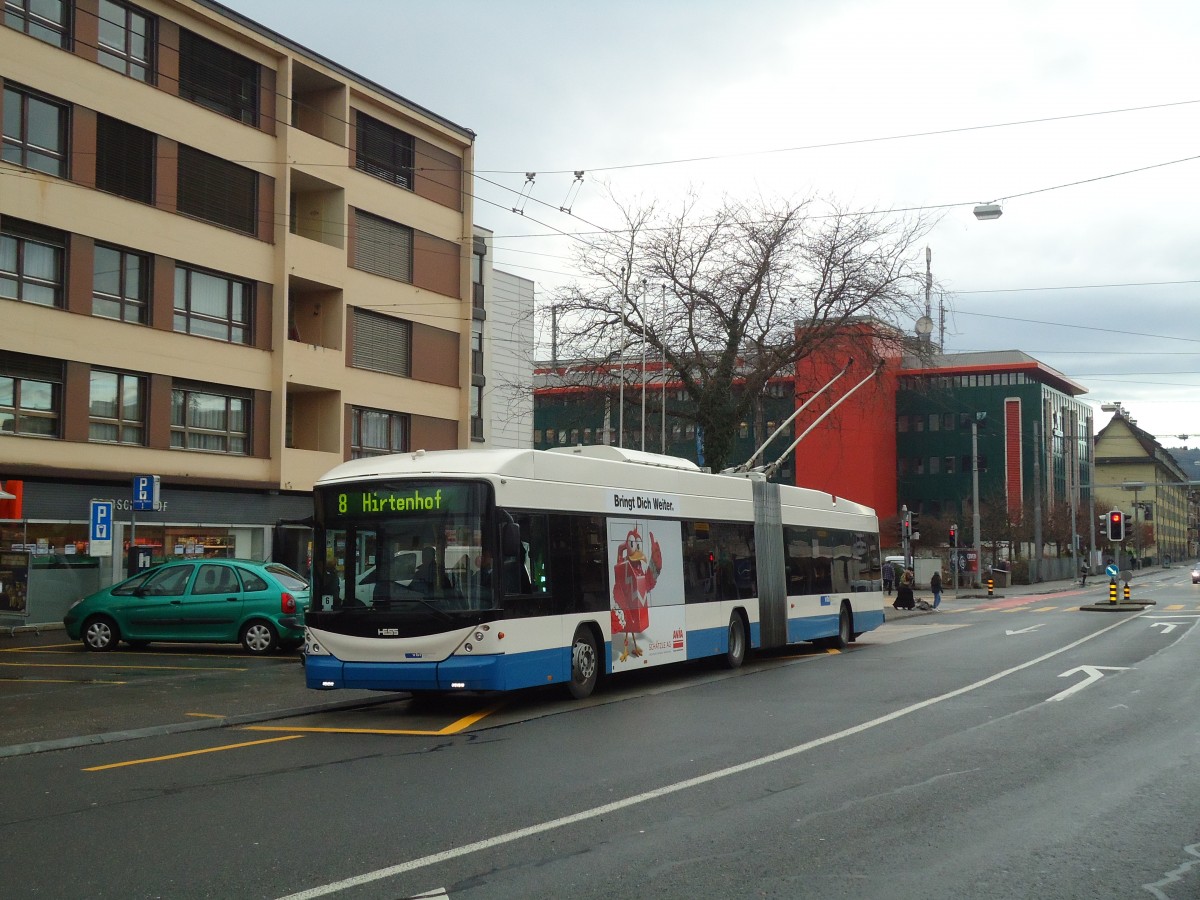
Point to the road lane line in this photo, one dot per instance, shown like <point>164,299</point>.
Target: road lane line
<point>26,665</point>
<point>666,790</point>
<point>58,681</point>
<point>153,759</point>
<point>453,728</point>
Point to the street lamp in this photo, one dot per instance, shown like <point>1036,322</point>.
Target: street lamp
<point>986,211</point>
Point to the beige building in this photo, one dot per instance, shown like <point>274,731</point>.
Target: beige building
<point>224,261</point>
<point>1138,476</point>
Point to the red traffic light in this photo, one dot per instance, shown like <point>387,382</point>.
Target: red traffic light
<point>1116,525</point>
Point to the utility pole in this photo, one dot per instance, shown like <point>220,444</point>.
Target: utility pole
<point>975,496</point>
<point>1037,502</point>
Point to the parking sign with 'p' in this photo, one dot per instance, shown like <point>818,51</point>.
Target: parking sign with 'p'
<point>100,525</point>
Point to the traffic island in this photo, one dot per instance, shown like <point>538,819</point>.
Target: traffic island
<point>1122,606</point>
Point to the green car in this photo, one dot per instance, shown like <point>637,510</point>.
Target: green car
<point>257,604</point>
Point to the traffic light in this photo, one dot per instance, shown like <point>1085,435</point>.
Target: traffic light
<point>953,535</point>
<point>1116,526</point>
<point>914,531</point>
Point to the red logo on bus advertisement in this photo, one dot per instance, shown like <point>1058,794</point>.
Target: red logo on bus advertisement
<point>677,639</point>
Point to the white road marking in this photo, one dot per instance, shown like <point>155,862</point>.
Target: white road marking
<point>1093,673</point>
<point>666,790</point>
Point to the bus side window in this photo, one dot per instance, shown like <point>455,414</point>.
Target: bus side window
<point>525,571</point>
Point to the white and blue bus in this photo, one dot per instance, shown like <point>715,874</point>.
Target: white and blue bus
<point>495,570</point>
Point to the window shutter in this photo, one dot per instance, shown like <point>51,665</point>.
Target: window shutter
<point>382,247</point>
<point>382,344</point>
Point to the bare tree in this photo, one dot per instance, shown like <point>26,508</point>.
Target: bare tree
<point>732,297</point>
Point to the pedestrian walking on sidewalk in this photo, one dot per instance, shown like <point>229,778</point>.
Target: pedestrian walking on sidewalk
<point>1083,573</point>
<point>935,585</point>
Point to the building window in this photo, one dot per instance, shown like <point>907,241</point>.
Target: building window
<point>476,348</point>
<point>382,247</point>
<point>217,78</point>
<point>30,395</point>
<point>935,463</point>
<point>382,344</point>
<point>31,264</point>
<point>124,159</point>
<point>902,423</point>
<point>384,151</point>
<point>207,419</point>
<point>948,465</point>
<point>213,306</point>
<point>217,190</point>
<point>947,421</point>
<point>374,432</point>
<point>549,435</point>
<point>35,132</point>
<point>126,40</point>
<point>120,284</point>
<point>117,408</point>
<point>477,412</point>
<point>45,20</point>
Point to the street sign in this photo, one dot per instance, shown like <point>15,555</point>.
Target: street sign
<point>145,492</point>
<point>100,525</point>
<point>1111,570</point>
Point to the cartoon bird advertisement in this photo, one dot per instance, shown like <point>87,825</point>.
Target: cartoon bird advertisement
<point>647,593</point>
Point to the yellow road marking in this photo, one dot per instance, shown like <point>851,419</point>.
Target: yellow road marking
<point>1174,606</point>
<point>98,666</point>
<point>452,728</point>
<point>151,759</point>
<point>37,649</point>
<point>205,715</point>
<point>1046,609</point>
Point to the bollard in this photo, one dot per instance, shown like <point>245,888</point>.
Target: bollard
<point>991,585</point>
<point>1112,591</point>
<point>1127,592</point>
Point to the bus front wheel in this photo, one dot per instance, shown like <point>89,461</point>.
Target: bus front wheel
<point>585,664</point>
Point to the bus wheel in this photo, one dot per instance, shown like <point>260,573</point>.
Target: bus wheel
<point>735,654</point>
<point>845,629</point>
<point>585,664</point>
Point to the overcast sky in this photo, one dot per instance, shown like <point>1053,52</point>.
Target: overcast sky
<point>930,104</point>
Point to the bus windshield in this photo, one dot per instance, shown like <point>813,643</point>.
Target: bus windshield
<point>405,546</point>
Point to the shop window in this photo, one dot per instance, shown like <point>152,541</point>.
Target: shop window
<point>117,408</point>
<point>211,305</point>
<point>35,132</point>
<point>120,284</point>
<point>374,432</point>
<point>126,40</point>
<point>31,263</point>
<point>207,419</point>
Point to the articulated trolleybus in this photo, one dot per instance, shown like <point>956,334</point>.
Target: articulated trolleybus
<point>493,570</point>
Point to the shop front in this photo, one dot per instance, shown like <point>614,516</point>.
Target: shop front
<point>46,560</point>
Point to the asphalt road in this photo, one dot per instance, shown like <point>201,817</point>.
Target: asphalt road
<point>1016,747</point>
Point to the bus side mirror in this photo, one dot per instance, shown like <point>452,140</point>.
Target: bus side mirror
<point>510,539</point>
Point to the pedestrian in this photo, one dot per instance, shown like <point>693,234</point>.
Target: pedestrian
<point>935,585</point>
<point>1083,573</point>
<point>889,577</point>
<point>904,592</point>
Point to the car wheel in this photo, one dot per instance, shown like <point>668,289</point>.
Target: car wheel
<point>735,654</point>
<point>258,637</point>
<point>100,633</point>
<point>585,665</point>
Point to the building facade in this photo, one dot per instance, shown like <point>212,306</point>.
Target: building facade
<point>1034,448</point>
<point>225,261</point>
<point>1140,477</point>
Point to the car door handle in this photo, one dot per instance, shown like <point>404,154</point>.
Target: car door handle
<point>176,602</point>
<point>232,599</point>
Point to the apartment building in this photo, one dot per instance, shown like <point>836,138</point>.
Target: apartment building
<point>225,261</point>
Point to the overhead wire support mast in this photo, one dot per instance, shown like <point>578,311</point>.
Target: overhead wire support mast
<point>771,469</point>
<point>748,464</point>
<point>572,192</point>
<point>526,192</point>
